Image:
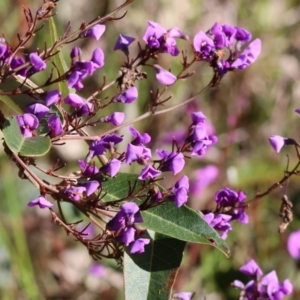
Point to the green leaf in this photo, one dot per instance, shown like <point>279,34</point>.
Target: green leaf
<point>181,223</point>
<point>151,275</point>
<point>58,59</point>
<point>17,143</point>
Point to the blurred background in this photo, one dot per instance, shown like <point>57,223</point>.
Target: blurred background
<point>39,261</point>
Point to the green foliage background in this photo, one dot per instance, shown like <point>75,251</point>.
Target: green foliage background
<point>37,259</point>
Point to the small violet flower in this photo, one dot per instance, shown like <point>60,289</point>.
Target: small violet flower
<point>180,191</point>
<point>37,109</point>
<point>140,138</point>
<point>171,161</point>
<point>115,118</point>
<point>123,43</point>
<point>149,172</point>
<point>28,123</point>
<point>87,169</point>
<point>277,142</point>
<point>55,126</point>
<point>219,222</point>
<point>128,96</point>
<point>112,167</point>
<point>183,296</point>
<point>41,202</point>
<point>95,32</point>
<point>17,62</point>
<point>139,154</point>
<point>138,246</point>
<point>37,62</point>
<point>97,270</point>
<point>52,97</point>
<point>163,76</point>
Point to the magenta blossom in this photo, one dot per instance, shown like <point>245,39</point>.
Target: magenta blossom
<point>163,76</point>
<point>293,244</point>
<point>41,202</point>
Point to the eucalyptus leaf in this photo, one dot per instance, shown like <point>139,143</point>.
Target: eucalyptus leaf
<point>180,223</point>
<point>151,275</point>
<point>24,146</point>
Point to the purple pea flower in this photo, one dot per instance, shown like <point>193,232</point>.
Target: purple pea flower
<point>115,118</point>
<point>95,32</point>
<point>123,43</point>
<point>171,161</point>
<point>139,154</point>
<point>90,186</point>
<point>28,123</point>
<point>74,100</point>
<point>52,97</point>
<point>198,118</point>
<point>98,58</point>
<point>248,56</point>
<point>75,193</point>
<point>163,76</point>
<point>41,202</point>
<point>37,62</point>
<point>140,138</point>
<point>298,110</point>
<point>138,246</point>
<point>87,169</point>
<point>251,269</point>
<point>219,222</point>
<point>17,62</point>
<point>204,45</point>
<point>242,35</point>
<point>112,167</point>
<point>149,172</point>
<point>180,191</point>
<point>37,109</point>
<point>55,126</point>
<point>75,52</point>
<point>293,244</point>
<point>277,142</point>
<point>128,96</point>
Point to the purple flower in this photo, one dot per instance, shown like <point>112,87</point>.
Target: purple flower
<point>115,118</point>
<point>158,38</point>
<point>52,97</point>
<point>123,43</point>
<point>171,161</point>
<point>252,269</point>
<point>149,172</point>
<point>37,62</point>
<point>180,191</point>
<point>37,109</point>
<point>75,193</point>
<point>219,222</point>
<point>198,118</point>
<point>17,62</point>
<point>163,76</point>
<point>74,100</point>
<point>298,110</point>
<point>204,177</point>
<point>137,153</point>
<point>28,123</point>
<point>87,169</point>
<point>183,296</point>
<point>90,186</point>
<point>41,202</point>
<point>138,246</point>
<point>110,140</point>
<point>204,45</point>
<point>293,244</point>
<point>140,138</point>
<point>75,52</point>
<point>248,56</point>
<point>229,198</point>
<point>98,58</point>
<point>277,142</point>
<point>123,222</point>
<point>95,32</point>
<point>112,167</point>
<point>55,126</point>
<point>128,96</point>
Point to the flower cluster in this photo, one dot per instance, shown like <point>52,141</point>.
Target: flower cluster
<point>123,226</point>
<point>229,208</point>
<point>261,287</point>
